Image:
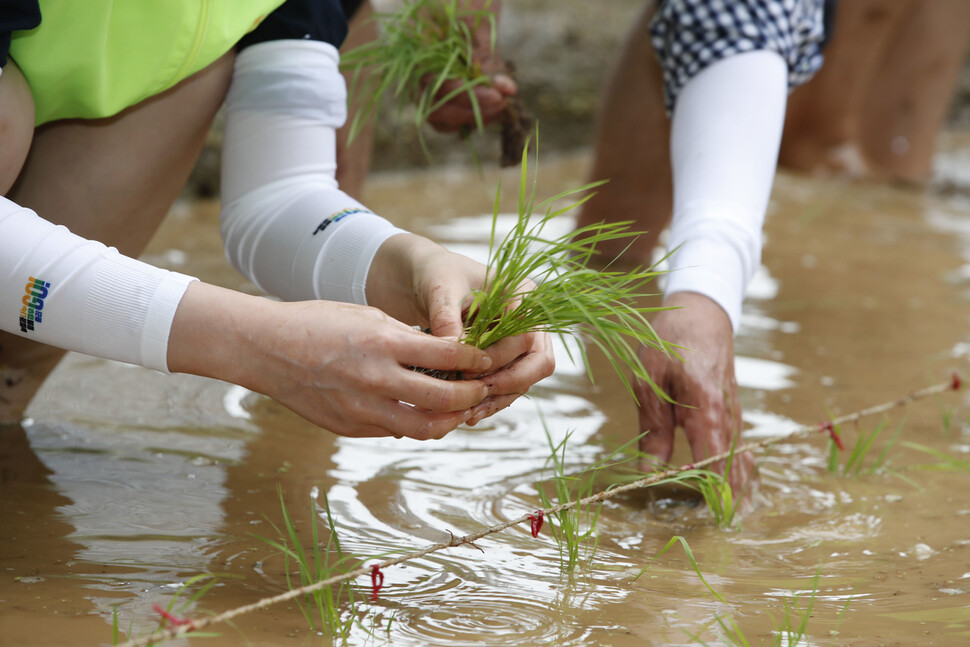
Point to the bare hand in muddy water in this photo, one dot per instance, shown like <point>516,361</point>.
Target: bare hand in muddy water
<point>704,382</point>
<point>341,366</point>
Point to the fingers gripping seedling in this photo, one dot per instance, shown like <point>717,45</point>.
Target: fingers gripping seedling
<point>542,283</point>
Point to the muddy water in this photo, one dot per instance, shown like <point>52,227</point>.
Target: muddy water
<point>124,483</point>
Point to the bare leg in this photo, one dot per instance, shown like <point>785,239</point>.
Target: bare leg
<point>910,95</point>
<point>633,148</point>
<point>822,125</point>
<point>876,106</point>
<point>16,124</point>
<point>111,180</point>
<point>354,159</point>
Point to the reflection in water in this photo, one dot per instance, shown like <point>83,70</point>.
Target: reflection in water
<point>144,489</point>
<point>138,481</point>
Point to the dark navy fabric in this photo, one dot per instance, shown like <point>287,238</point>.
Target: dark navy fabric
<point>351,7</point>
<point>16,15</point>
<point>322,20</point>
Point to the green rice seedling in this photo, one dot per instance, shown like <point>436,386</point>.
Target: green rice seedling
<point>574,529</point>
<point>713,487</point>
<point>690,557</point>
<point>115,627</point>
<point>321,608</point>
<point>946,416</point>
<point>794,625</point>
<point>716,490</point>
<point>420,46</point>
<point>855,459</point>
<point>718,495</point>
<point>731,633</point>
<point>537,283</point>
<point>177,606</point>
<point>115,632</point>
<point>944,462</point>
<point>791,631</point>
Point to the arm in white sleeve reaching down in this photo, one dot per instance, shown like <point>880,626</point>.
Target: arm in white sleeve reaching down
<point>76,294</point>
<point>725,135</point>
<point>285,223</point>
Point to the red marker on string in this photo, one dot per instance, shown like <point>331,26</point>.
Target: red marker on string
<point>376,581</point>
<point>536,520</point>
<point>830,428</point>
<point>175,620</point>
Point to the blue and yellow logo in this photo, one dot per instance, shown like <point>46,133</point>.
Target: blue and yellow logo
<point>32,312</point>
<point>337,217</point>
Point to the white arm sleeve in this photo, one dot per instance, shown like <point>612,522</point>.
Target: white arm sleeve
<point>724,149</point>
<point>60,289</point>
<point>285,224</point>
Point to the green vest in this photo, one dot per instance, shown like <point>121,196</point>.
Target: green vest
<point>93,58</point>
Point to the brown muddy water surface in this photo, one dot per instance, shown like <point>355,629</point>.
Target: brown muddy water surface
<point>125,483</point>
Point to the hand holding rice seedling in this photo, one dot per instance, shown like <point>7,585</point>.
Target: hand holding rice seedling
<point>541,283</point>
<point>432,53</point>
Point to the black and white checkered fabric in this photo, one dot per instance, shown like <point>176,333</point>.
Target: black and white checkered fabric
<point>689,35</point>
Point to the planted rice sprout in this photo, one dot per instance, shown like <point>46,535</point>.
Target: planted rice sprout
<point>574,529</point>
<point>541,283</point>
<point>677,539</point>
<point>185,597</point>
<point>943,462</point>
<point>322,607</point>
<point>420,46</point>
<point>717,494</point>
<point>855,463</point>
<point>716,490</point>
<point>791,631</point>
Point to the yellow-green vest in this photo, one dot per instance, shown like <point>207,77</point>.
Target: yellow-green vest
<point>94,58</point>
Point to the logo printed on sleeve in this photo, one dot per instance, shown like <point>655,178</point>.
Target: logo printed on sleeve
<point>340,215</point>
<point>33,303</point>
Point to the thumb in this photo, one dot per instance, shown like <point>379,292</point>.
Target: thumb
<point>445,319</point>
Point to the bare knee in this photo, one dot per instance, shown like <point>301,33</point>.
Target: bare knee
<point>16,124</point>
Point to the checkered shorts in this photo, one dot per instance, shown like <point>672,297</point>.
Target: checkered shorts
<point>689,35</point>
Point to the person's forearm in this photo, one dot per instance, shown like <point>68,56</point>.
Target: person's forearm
<point>285,223</point>
<point>724,147</point>
<point>77,294</point>
<point>210,333</point>
<point>390,282</point>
